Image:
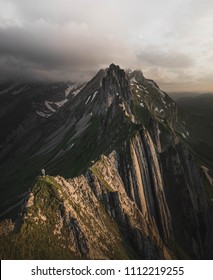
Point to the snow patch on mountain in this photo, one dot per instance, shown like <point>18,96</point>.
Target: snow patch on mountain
<point>206,171</point>
<point>47,104</point>
<point>70,146</point>
<point>67,91</point>
<point>144,88</point>
<point>58,104</point>
<point>159,110</point>
<point>74,89</point>
<point>87,101</point>
<point>94,95</point>
<point>44,115</point>
<point>77,88</point>
<point>133,80</point>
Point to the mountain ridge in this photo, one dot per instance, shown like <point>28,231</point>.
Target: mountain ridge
<point>125,142</point>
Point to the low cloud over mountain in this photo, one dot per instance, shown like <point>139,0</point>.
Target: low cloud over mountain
<point>73,39</point>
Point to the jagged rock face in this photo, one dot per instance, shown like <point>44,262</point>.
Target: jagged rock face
<point>71,212</point>
<point>136,221</point>
<point>116,83</point>
<point>135,190</point>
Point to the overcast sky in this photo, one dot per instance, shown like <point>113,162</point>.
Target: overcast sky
<point>171,41</point>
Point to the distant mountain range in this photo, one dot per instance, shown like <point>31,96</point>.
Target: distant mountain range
<point>125,175</point>
<point>199,109</point>
<point>177,95</point>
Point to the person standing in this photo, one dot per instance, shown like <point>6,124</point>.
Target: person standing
<point>43,172</point>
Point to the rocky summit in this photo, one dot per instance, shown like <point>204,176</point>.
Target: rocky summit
<point>123,180</point>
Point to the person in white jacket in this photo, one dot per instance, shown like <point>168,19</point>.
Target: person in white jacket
<point>43,172</point>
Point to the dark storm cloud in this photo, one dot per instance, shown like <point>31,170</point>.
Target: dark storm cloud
<point>20,44</point>
<point>57,51</point>
<point>72,39</point>
<point>64,40</point>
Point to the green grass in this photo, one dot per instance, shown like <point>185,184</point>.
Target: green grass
<point>34,238</point>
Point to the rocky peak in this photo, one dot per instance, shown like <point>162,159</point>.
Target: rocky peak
<point>116,83</point>
<point>137,76</point>
<point>115,70</point>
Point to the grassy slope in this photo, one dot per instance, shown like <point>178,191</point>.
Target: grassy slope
<point>34,238</point>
